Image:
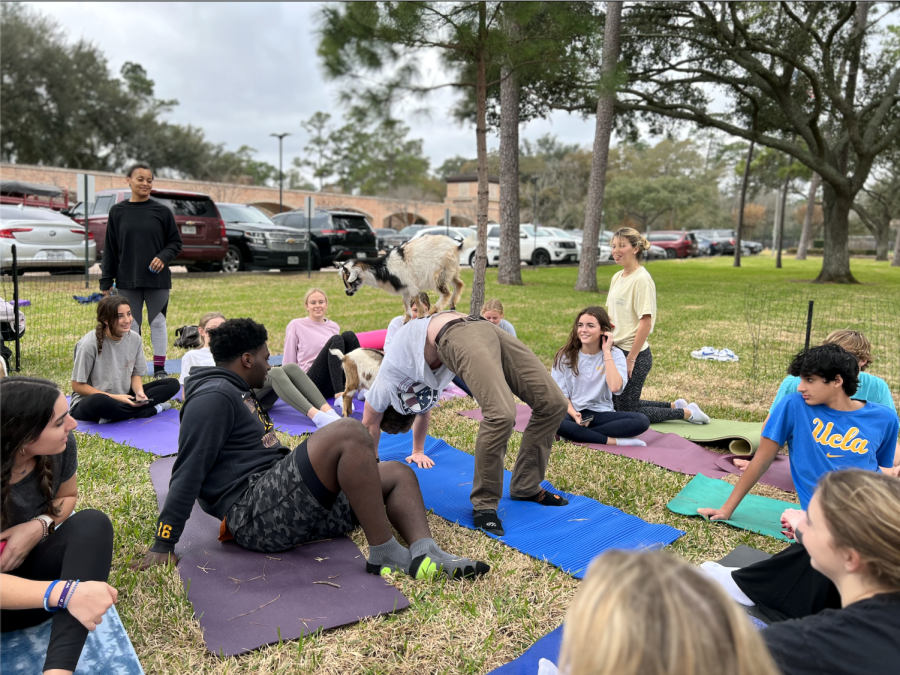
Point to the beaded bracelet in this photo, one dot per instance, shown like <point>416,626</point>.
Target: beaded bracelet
<point>62,596</point>
<point>71,593</point>
<point>47,596</point>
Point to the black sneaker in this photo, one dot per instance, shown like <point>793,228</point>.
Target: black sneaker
<point>488,521</point>
<point>159,373</point>
<point>543,498</point>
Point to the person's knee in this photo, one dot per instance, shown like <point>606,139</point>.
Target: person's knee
<point>502,418</point>
<point>641,421</point>
<point>554,405</point>
<point>397,473</point>
<point>92,528</point>
<point>349,434</point>
<point>289,369</point>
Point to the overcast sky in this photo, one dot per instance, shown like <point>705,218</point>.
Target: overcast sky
<point>242,70</point>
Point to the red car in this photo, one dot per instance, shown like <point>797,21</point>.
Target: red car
<point>202,229</point>
<point>677,244</point>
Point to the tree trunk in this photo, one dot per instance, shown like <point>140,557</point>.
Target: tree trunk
<point>882,237</point>
<point>896,261</point>
<point>481,216</point>
<point>806,233</point>
<point>509,272</point>
<point>587,270</point>
<point>784,191</point>
<point>836,262</point>
<point>740,222</point>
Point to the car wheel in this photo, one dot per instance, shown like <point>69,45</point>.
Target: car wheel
<point>315,259</point>
<point>472,259</point>
<point>671,253</point>
<point>540,258</point>
<point>233,260</point>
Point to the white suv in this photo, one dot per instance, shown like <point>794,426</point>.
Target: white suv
<point>539,246</point>
<point>467,239</point>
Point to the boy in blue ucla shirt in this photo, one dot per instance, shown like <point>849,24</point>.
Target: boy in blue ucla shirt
<point>826,430</point>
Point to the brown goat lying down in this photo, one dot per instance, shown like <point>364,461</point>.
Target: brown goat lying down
<point>360,370</point>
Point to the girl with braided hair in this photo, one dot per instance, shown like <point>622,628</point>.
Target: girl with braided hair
<point>38,491</point>
<point>109,363</point>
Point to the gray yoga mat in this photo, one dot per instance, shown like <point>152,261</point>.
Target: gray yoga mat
<point>744,556</point>
<point>245,600</point>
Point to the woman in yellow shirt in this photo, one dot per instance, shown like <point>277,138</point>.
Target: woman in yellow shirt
<point>631,303</point>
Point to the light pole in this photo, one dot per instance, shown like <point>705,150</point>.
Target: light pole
<point>280,138</point>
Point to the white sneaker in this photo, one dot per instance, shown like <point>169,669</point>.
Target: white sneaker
<point>726,355</point>
<point>707,353</point>
<point>697,415</point>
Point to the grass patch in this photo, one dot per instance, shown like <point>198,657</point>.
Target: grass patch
<point>467,627</point>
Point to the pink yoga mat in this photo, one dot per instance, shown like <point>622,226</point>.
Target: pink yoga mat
<point>373,339</point>
<point>672,452</point>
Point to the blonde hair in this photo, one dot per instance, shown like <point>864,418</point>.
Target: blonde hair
<point>854,342</point>
<point>493,305</point>
<point>205,319</point>
<point>635,238</point>
<point>311,291</point>
<point>862,510</point>
<point>650,613</point>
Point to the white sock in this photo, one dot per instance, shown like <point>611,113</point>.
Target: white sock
<point>697,415</point>
<point>331,413</point>
<point>723,576</point>
<point>681,404</point>
<point>630,441</point>
<point>162,406</point>
<point>321,419</point>
<point>361,395</point>
<point>103,420</point>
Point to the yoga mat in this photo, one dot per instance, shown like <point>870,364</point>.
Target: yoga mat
<point>245,600</point>
<point>157,434</point>
<point>742,437</point>
<point>756,514</point>
<point>293,422</point>
<point>107,649</point>
<point>777,475</point>
<point>527,664</point>
<point>672,452</point>
<point>744,556</point>
<point>568,537</point>
<point>373,339</point>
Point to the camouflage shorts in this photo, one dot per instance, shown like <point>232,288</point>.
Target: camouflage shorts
<point>286,506</point>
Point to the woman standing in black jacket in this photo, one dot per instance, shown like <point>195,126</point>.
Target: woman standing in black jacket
<point>141,241</point>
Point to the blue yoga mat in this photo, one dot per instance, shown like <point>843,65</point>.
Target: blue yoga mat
<point>527,664</point>
<point>107,650</point>
<point>568,536</point>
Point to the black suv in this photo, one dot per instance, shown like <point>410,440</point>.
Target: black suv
<point>339,235</point>
<point>255,242</point>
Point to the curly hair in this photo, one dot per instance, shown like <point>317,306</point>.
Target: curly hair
<point>827,362</point>
<point>108,317</point>
<point>27,404</point>
<point>567,357</point>
<point>234,338</point>
<point>394,423</point>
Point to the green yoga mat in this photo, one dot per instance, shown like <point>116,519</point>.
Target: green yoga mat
<point>756,514</point>
<point>742,437</point>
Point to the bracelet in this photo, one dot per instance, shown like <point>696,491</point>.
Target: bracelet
<point>62,596</point>
<point>69,597</point>
<point>43,525</point>
<point>632,360</point>
<point>47,596</point>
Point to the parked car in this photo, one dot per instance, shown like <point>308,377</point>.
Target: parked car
<point>45,240</point>
<point>677,244</point>
<point>255,242</point>
<point>339,235</point>
<point>721,242</point>
<point>604,250</point>
<point>754,246</point>
<point>383,233</point>
<point>539,246</point>
<point>202,229</point>
<point>655,253</point>
<point>394,240</point>
<point>34,194</point>
<point>467,240</point>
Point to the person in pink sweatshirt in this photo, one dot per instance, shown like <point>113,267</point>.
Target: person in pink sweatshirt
<point>308,341</point>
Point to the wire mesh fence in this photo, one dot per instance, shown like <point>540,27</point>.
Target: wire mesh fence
<point>778,322</point>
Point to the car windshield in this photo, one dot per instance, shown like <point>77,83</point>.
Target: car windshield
<point>536,231</point>
<point>15,213</point>
<point>197,207</point>
<point>233,213</point>
<point>350,223</point>
<point>410,230</point>
<point>663,237</point>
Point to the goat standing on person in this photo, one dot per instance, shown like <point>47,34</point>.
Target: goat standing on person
<point>424,264</point>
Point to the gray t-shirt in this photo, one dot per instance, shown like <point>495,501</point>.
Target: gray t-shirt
<point>590,391</point>
<point>26,499</point>
<point>111,370</point>
<point>507,326</point>
<point>405,381</point>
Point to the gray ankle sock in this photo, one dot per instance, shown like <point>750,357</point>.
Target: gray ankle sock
<point>389,555</point>
<point>429,560</point>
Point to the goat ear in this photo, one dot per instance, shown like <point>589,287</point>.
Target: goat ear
<point>338,265</point>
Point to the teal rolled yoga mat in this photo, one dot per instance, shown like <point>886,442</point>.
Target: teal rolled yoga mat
<point>743,437</point>
<point>756,514</point>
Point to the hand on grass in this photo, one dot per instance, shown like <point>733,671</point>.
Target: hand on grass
<point>153,558</point>
<point>89,602</point>
<point>157,265</point>
<point>20,540</point>
<point>714,514</point>
<point>422,460</point>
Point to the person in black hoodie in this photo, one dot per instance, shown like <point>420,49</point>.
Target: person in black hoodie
<point>141,241</point>
<point>270,498</point>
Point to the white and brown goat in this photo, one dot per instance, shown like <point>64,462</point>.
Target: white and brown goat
<point>423,264</point>
<point>361,367</point>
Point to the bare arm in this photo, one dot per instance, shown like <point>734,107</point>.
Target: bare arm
<point>372,421</point>
<point>65,500</point>
<point>137,386</point>
<point>613,378</point>
<point>420,431</point>
<point>84,389</point>
<point>87,603</point>
<point>754,471</point>
<point>640,340</point>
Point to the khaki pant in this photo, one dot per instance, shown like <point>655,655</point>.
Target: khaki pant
<point>496,366</point>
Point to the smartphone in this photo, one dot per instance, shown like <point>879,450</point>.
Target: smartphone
<point>586,420</point>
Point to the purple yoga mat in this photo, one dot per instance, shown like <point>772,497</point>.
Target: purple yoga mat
<point>671,452</point>
<point>292,422</point>
<point>157,434</point>
<point>245,600</point>
<point>778,474</point>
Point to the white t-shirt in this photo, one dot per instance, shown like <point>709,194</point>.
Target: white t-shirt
<point>195,358</point>
<point>590,390</point>
<point>392,329</point>
<point>405,381</point>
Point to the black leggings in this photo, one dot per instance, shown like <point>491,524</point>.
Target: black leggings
<point>80,549</point>
<point>327,371</point>
<point>630,399</point>
<point>102,406</point>
<point>604,426</point>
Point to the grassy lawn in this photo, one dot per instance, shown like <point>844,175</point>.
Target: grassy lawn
<point>468,627</point>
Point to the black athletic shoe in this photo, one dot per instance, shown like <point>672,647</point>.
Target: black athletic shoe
<point>488,521</point>
<point>544,498</point>
<point>159,373</point>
